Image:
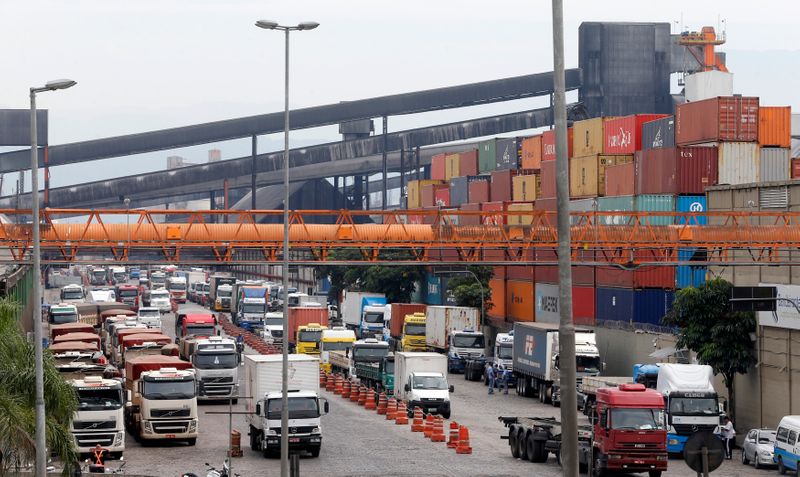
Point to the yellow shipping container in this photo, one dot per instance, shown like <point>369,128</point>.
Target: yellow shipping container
<point>415,192</point>
<point>587,175</point>
<point>526,219</point>
<point>452,166</point>
<point>587,138</point>
<point>524,187</point>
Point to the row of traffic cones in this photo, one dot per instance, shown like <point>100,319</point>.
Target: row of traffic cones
<point>251,339</point>
<point>432,427</point>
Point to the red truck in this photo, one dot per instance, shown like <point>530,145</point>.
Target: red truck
<point>128,294</point>
<point>305,315</point>
<point>199,325</point>
<point>628,434</point>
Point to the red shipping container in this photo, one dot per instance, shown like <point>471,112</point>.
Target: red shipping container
<point>470,219</point>
<point>399,312</point>
<point>498,272</point>
<point>304,315</point>
<point>548,176</point>
<point>795,168</point>
<point>623,135</point>
<point>438,167</point>
<point>521,273</point>
<point>531,152</point>
<point>427,196</point>
<point>479,192</point>
<point>499,219</point>
<point>468,163</point>
<point>441,196</point>
<point>642,277</point>
<point>726,118</point>
<point>501,185</point>
<point>620,179</point>
<point>583,306</point>
<point>676,170</point>
<point>581,275</point>
<point>548,204</point>
<point>549,144</point>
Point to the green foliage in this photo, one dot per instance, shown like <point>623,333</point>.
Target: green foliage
<point>17,399</point>
<point>719,336</point>
<point>466,290</point>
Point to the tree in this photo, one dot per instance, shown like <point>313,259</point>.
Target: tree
<point>467,291</point>
<point>719,336</point>
<point>17,399</point>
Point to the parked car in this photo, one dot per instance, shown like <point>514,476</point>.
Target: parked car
<point>758,447</point>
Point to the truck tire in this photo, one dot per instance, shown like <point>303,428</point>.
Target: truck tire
<point>191,441</point>
<point>536,452</point>
<point>446,414</point>
<point>521,447</point>
<point>654,473</point>
<point>512,441</point>
<point>314,451</point>
<point>255,439</point>
<point>541,393</point>
<point>597,466</point>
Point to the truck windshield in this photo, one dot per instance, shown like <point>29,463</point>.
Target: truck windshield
<point>299,408</point>
<point>129,293</point>
<point>215,361</point>
<point>309,336</point>
<point>254,308</point>
<point>336,345</point>
<point>388,367</point>
<point>120,276</point>
<point>94,399</point>
<point>361,352</point>
<point>504,352</point>
<point>429,382</point>
<point>693,406</point>
<point>587,364</point>
<point>224,293</point>
<point>273,321</point>
<point>177,286</point>
<point>149,313</point>
<point>62,317</point>
<point>468,341</point>
<point>201,330</point>
<point>163,389</point>
<point>373,318</point>
<point>641,419</point>
<point>206,287</point>
<point>415,330</point>
<point>76,294</point>
<point>99,274</point>
<point>159,295</point>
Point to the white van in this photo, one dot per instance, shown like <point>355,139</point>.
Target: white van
<point>787,447</point>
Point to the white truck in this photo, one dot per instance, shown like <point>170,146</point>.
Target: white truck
<point>100,418</point>
<point>264,398</point>
<point>159,298</point>
<point>158,280</point>
<point>216,363</point>
<point>72,294</point>
<point>62,313</point>
<point>149,316</point>
<point>224,295</point>
<point>177,288</point>
<point>455,330</point>
<point>119,275</point>
<point>420,379</point>
<point>364,313</point>
<point>273,328</point>
<point>504,350</point>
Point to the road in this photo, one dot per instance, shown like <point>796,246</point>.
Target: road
<point>358,442</point>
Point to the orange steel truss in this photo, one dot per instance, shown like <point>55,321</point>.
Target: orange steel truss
<point>435,236</point>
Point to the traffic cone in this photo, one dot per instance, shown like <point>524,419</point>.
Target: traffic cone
<point>355,394</point>
<point>417,425</point>
<point>382,404</point>
<point>346,389</point>
<point>402,413</point>
<point>329,384</point>
<point>339,389</point>
<point>370,404</point>
<point>362,397</point>
<point>322,378</point>
<point>391,409</point>
<point>463,446</point>
<point>453,442</point>
<point>438,430</point>
<point>428,431</point>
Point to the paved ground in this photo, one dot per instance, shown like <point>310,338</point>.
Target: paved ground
<point>357,442</point>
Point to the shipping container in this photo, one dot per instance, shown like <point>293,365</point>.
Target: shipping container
<point>659,133</point>
<point>645,307</point>
<point>642,277</point>
<point>739,163</point>
<point>707,84</point>
<point>688,275</point>
<point>507,150</point>
<point>521,219</point>
<point>479,191</point>
<point>305,315</point>
<point>656,203</point>
<point>547,309</point>
<point>795,168</point>
<point>441,196</point>
<point>624,135</point>
<point>524,188</point>
<point>415,192</point>
<point>499,272</point>
<point>427,198</point>
<point>775,126</point>
<point>487,156</point>
<point>470,219</point>
<point>519,300</point>
<point>620,179</point>
<point>398,315</point>
<point>468,163</point>
<point>587,175</point>
<point>531,152</point>
<point>438,171</point>
<point>692,203</point>
<point>433,292</point>
<point>548,180</point>
<point>501,185</point>
<point>548,205</point>
<point>588,137</point>
<point>681,170</point>
<point>498,219</point>
<point>727,118</point>
<point>774,164</point>
<point>451,216</point>
<point>452,166</point>
<point>459,191</point>
<point>523,273</point>
<point>549,144</point>
<point>498,310</point>
<point>581,275</point>
<point>623,203</point>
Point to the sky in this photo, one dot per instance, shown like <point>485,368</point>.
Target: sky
<point>151,64</point>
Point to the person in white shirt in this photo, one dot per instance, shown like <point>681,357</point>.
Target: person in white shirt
<point>728,434</point>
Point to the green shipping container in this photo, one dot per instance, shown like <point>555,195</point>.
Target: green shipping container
<point>487,156</point>
<point>622,203</point>
<point>656,203</point>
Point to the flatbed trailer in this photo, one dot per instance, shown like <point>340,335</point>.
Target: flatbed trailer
<point>535,438</point>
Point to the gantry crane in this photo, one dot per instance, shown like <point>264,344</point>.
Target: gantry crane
<point>705,40</point>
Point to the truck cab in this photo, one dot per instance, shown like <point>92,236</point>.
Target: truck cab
<point>199,325</point>
<point>504,350</point>
<point>100,416</point>
<point>421,381</point>
<point>251,306</point>
<point>149,316</point>
<point>177,289</point>
<point>133,273</point>
<point>118,275</point>
<point>160,299</point>
<point>308,338</point>
<point>223,298</point>
<point>202,293</point>
<point>373,314</point>
<point>128,294</point>
<point>73,294</point>
<point>413,338</point>
<point>98,277</point>
<point>273,328</point>
<point>62,313</point>
<point>337,338</point>
<point>463,345</point>
<point>216,362</point>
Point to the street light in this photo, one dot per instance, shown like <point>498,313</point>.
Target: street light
<point>41,439</point>
<point>271,25</point>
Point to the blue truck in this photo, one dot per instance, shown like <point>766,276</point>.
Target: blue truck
<point>364,313</point>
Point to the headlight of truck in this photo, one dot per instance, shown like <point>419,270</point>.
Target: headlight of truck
<point>118,439</point>
<point>315,430</point>
<point>272,432</point>
<point>148,427</point>
<point>672,442</point>
<point>193,426</point>
<point>766,453</point>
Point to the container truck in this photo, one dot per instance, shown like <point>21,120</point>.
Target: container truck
<point>161,399</point>
<point>393,332</point>
<point>263,387</point>
<point>363,313</point>
<point>535,353</point>
<point>692,403</point>
<point>72,294</point>
<point>98,276</point>
<point>337,338</point>
<point>369,350</point>
<point>128,294</point>
<point>158,280</point>
<point>100,418</point>
<point>421,381</point>
<point>587,390</point>
<point>378,376</point>
<point>646,374</point>
<point>249,305</point>
<point>214,282</point>
<point>413,333</point>
<point>454,330</point>
<point>627,434</point>
<point>198,325</point>
<point>273,328</point>
<point>502,358</point>
<point>118,275</point>
<point>216,364</point>
<point>305,316</point>
<point>177,289</point>
<point>62,313</point>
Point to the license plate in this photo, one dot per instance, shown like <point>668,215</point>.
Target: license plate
<point>638,462</point>
<point>294,439</point>
<point>170,436</point>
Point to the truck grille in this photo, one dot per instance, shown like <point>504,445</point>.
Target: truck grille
<point>92,425</point>
<point>91,440</point>
<point>170,427</point>
<point>156,413</point>
<point>432,401</point>
<point>642,446</point>
<point>689,429</point>
<point>296,430</point>
<point>220,380</point>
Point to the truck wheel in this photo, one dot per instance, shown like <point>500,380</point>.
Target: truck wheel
<point>597,468</point>
<point>541,393</point>
<point>781,467</point>
<point>314,451</point>
<point>521,447</point>
<point>536,452</point>
<point>192,441</point>
<point>512,442</point>
<point>654,473</point>
<point>255,439</point>
<point>446,414</point>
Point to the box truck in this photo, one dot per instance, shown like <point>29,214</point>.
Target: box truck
<point>420,379</point>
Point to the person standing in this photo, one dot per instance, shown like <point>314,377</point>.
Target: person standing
<point>728,434</point>
<point>506,379</point>
<point>491,375</point>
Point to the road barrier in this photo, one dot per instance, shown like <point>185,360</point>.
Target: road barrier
<point>453,442</point>
<point>382,404</point>
<point>417,425</point>
<point>428,431</point>
<point>463,446</point>
<point>438,430</point>
<point>402,414</point>
<point>391,409</point>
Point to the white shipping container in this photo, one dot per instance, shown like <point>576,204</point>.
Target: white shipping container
<point>796,125</point>
<point>262,375</point>
<point>739,162</point>
<point>440,320</point>
<point>708,84</point>
<point>547,310</point>
<point>774,164</point>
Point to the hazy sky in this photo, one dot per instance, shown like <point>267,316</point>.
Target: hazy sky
<point>147,64</point>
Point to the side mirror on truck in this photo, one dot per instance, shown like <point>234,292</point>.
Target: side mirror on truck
<point>326,407</point>
<point>407,388</point>
<point>451,388</point>
<point>258,409</point>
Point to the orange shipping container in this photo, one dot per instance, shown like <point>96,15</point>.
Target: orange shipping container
<point>498,310</point>
<point>519,300</point>
<point>524,188</point>
<point>620,179</point>
<point>774,126</point>
<point>452,166</point>
<point>532,152</point>
<point>438,167</point>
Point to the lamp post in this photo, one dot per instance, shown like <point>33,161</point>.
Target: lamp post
<point>41,439</point>
<point>270,25</point>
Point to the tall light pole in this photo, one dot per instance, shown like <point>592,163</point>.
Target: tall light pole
<point>41,438</point>
<point>270,25</point>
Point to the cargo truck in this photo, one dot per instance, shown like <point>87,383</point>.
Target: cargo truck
<point>62,313</point>
<point>140,344</point>
<point>454,330</point>
<point>98,276</point>
<point>216,364</point>
<point>263,386</point>
<point>378,376</point>
<point>128,294</point>
<point>394,331</point>
<point>223,296</point>
<point>214,282</point>
<point>158,280</point>
<point>692,403</point>
<point>308,341</point>
<point>363,313</point>
<point>161,399</point>
<point>535,353</point>
<point>118,275</point>
<point>198,325</point>
<point>421,381</point>
<point>249,306</point>
<point>369,350</point>
<point>72,294</point>
<point>177,289</point>
<point>587,390</point>
<point>273,328</point>
<point>502,359</point>
<point>337,338</point>
<point>100,418</point>
<point>413,333</point>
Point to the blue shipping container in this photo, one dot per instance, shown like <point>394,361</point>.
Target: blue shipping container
<point>691,203</point>
<point>686,275</point>
<point>646,306</point>
<point>433,289</point>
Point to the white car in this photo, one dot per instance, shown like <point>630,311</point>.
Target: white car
<point>160,299</point>
<point>759,448</point>
<point>150,316</point>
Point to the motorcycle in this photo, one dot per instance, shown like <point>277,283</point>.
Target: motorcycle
<point>95,468</point>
